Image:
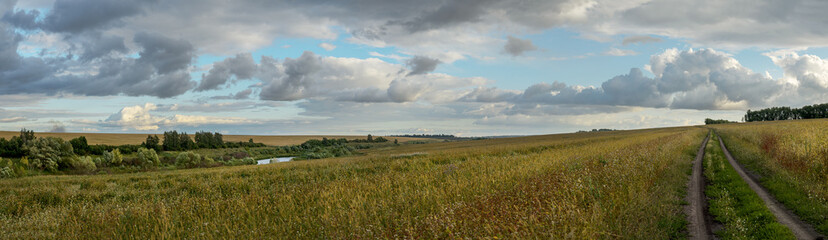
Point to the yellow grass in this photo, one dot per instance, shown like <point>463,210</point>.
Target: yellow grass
<point>124,138</point>
<point>625,184</point>
<point>791,159</point>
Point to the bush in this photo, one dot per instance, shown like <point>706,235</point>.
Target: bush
<point>83,163</point>
<point>49,153</point>
<point>243,161</point>
<point>13,168</point>
<point>191,160</point>
<point>148,157</point>
<point>113,158</point>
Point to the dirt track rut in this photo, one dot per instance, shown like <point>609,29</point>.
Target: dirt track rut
<point>784,216</point>
<point>699,226</point>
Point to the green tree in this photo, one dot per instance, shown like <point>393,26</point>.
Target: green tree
<point>152,142</point>
<point>80,146</point>
<point>49,153</point>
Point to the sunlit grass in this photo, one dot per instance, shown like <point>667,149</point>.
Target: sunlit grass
<point>627,184</point>
<point>741,212</point>
<point>791,160</point>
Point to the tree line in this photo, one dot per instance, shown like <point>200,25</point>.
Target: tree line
<point>708,121</point>
<point>787,113</point>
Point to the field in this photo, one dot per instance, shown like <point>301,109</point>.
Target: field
<point>129,138</point>
<point>622,184</point>
<point>790,159</point>
<point>734,205</point>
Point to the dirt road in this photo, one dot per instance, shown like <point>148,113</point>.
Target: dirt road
<point>699,226</point>
<point>784,216</point>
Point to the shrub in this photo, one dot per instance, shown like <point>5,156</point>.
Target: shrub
<point>191,160</point>
<point>148,157</point>
<point>113,158</point>
<point>83,163</point>
<point>49,153</point>
<point>238,162</point>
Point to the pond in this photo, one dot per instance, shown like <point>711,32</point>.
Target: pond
<point>274,160</point>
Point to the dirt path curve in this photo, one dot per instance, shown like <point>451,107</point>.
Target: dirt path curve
<point>784,216</point>
<point>699,227</point>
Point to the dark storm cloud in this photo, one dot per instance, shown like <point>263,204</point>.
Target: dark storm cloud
<point>78,15</point>
<point>449,14</point>
<point>22,19</point>
<point>516,46</point>
<point>96,46</point>
<point>165,54</point>
<point>421,65</point>
<point>241,66</point>
<point>161,70</point>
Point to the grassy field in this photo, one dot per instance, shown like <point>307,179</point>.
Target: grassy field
<point>740,211</point>
<point>790,159</point>
<point>130,138</point>
<point>624,184</point>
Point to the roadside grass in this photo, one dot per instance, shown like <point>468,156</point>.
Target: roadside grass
<point>624,184</point>
<point>789,159</point>
<point>741,212</point>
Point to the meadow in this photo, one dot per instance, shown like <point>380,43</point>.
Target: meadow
<point>790,159</point>
<point>620,184</point>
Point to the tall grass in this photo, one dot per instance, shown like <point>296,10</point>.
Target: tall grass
<point>790,159</point>
<point>741,212</point>
<point>625,184</point>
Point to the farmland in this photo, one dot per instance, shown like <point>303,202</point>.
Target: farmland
<point>127,138</point>
<point>627,184</point>
<point>790,159</point>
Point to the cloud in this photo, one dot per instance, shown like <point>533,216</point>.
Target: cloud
<point>13,119</point>
<point>22,19</point>
<point>809,73</point>
<point>640,39</point>
<point>57,127</point>
<point>352,79</point>
<point>327,46</point>
<point>135,117</point>
<point>161,69</point>
<point>620,52</point>
<point>241,66</point>
<point>421,65</point>
<point>140,117</point>
<point>516,46</point>
<point>74,16</point>
<point>692,79</point>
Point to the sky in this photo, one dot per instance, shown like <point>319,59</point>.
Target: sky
<point>355,67</point>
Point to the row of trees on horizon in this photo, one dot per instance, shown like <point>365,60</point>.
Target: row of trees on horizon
<point>787,113</point>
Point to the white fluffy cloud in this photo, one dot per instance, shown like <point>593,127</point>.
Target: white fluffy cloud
<point>327,46</point>
<point>691,79</point>
<point>140,117</point>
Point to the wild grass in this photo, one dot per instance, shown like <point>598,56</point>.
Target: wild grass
<point>790,159</point>
<point>741,212</point>
<point>626,184</point>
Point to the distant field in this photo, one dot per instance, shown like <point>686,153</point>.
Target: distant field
<point>121,139</point>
